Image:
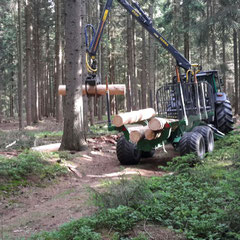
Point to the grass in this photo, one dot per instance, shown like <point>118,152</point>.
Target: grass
<point>47,134</point>
<point>26,139</point>
<point>20,140</point>
<point>26,169</point>
<point>200,200</point>
<point>101,129</point>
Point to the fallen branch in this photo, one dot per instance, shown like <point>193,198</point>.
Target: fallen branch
<point>11,144</point>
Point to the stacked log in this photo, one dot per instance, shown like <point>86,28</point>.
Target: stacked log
<point>151,135</point>
<point>157,124</point>
<point>137,133</point>
<point>133,117</point>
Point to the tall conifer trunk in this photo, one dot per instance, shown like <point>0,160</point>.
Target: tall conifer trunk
<point>186,17</point>
<point>1,94</point>
<point>235,53</point>
<point>28,63</point>
<point>144,73</point>
<point>151,69</point>
<point>73,133</point>
<point>238,68</point>
<point>129,65</point>
<point>224,58</point>
<point>20,68</point>
<point>135,80</point>
<point>58,52</point>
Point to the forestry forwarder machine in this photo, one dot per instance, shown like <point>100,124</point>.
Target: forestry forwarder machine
<point>195,99</point>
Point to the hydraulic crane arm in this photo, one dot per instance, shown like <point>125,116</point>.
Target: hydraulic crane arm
<point>145,21</point>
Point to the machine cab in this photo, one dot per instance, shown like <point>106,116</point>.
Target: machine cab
<point>210,77</point>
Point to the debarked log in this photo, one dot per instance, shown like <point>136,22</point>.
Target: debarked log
<point>151,135</point>
<point>157,124</point>
<point>133,117</point>
<point>114,89</point>
<point>137,133</point>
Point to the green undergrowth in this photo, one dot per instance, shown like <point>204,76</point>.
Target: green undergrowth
<point>198,200</point>
<point>26,169</point>
<point>100,130</point>
<point>47,134</point>
<point>20,140</point>
<point>16,140</point>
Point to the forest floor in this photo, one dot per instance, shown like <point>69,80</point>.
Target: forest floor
<point>34,209</point>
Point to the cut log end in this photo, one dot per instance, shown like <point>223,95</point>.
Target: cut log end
<point>135,136</point>
<point>137,133</point>
<point>151,135</point>
<point>157,124</point>
<point>117,121</point>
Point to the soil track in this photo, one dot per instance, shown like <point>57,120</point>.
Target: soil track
<point>36,209</point>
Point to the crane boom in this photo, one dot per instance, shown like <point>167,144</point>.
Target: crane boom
<point>136,11</point>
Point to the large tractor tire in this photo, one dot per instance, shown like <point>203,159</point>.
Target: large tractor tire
<point>208,136</point>
<point>224,117</point>
<point>148,154</point>
<point>192,142</point>
<point>127,152</point>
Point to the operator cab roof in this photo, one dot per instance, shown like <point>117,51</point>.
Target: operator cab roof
<point>207,73</point>
<point>201,74</point>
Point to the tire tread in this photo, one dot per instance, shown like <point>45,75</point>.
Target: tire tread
<point>125,152</point>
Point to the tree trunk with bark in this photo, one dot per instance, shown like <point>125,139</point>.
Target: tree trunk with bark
<point>235,54</point>
<point>186,18</point>
<point>208,30</point>
<point>238,68</point>
<point>224,58</point>
<point>1,94</point>
<point>135,80</point>
<point>144,73</point>
<point>73,133</point>
<point>35,85</point>
<point>59,55</point>
<point>20,68</point>
<point>129,64</point>
<point>28,63</point>
<point>213,37</point>
<point>151,69</point>
<point>11,95</point>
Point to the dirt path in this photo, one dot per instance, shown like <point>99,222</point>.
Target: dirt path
<point>36,209</point>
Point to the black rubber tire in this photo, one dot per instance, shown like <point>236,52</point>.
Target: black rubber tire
<point>192,142</point>
<point>208,136</point>
<point>127,152</point>
<point>148,154</point>
<point>224,117</point>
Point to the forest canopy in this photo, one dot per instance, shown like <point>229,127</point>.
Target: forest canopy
<point>204,31</point>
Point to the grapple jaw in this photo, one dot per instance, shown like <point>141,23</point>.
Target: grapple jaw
<point>93,79</point>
